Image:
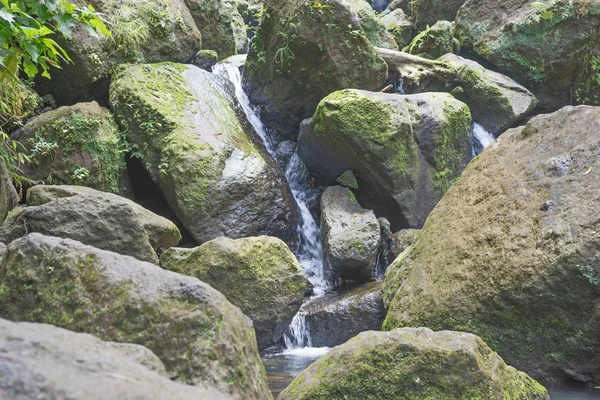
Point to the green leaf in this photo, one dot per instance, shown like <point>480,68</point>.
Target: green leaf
<point>29,67</point>
<point>5,15</point>
<point>99,24</point>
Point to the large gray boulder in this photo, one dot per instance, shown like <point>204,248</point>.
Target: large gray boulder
<point>260,275</point>
<point>74,145</point>
<point>102,220</point>
<point>303,51</point>
<point>201,338</point>
<point>371,23</point>
<point>198,147</point>
<point>162,233</point>
<point>412,363</point>
<point>399,25</point>
<point>405,150</point>
<point>351,236</point>
<point>496,101</point>
<point>435,41</point>
<point>39,361</point>
<point>144,31</point>
<point>511,251</point>
<point>335,318</point>
<point>551,47</point>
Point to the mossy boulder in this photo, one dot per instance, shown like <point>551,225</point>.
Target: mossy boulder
<point>428,12</point>
<point>551,47</point>
<point>412,363</point>
<point>399,25</point>
<point>335,318</point>
<point>66,365</point>
<point>260,275</point>
<point>221,24</point>
<point>401,241</point>
<point>9,198</point>
<point>351,236</point>
<point>102,220</point>
<point>496,101</point>
<point>18,103</point>
<point>143,31</point>
<point>511,251</point>
<point>75,145</point>
<point>303,51</point>
<point>405,150</point>
<point>372,24</point>
<point>434,41</point>
<point>194,140</point>
<point>200,337</point>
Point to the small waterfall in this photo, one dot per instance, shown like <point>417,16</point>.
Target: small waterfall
<point>400,86</point>
<point>310,253</point>
<point>480,139</point>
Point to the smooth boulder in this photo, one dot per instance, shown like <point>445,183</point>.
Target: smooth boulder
<point>351,236</point>
<point>75,145</point>
<point>260,275</point>
<point>303,51</point>
<point>197,146</point>
<point>39,361</point>
<point>399,25</point>
<point>412,363</point>
<point>335,318</point>
<point>551,47</point>
<point>405,150</point>
<point>201,338</point>
<point>434,41</point>
<point>511,251</point>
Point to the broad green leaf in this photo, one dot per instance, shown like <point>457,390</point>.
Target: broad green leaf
<point>5,15</point>
<point>29,67</point>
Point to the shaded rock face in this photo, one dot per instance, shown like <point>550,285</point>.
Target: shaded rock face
<point>79,145</point>
<point>405,150</point>
<point>428,12</point>
<point>198,147</point>
<point>523,219</point>
<point>399,25</point>
<point>496,101</point>
<point>351,236</point>
<point>9,198</point>
<point>260,275</point>
<point>412,363</point>
<point>300,54</point>
<point>65,365</point>
<point>80,288</point>
<point>102,220</point>
<point>401,241</point>
<point>335,318</point>
<point>434,42</point>
<point>144,31</point>
<point>222,26</point>
<point>550,47</point>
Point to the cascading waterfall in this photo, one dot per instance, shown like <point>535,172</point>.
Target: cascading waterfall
<point>480,139</point>
<point>310,252</point>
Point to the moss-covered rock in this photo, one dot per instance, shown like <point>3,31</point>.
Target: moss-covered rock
<point>511,251</point>
<point>199,336</point>
<point>102,220</point>
<point>144,31</point>
<point>405,150</point>
<point>428,12</point>
<point>303,51</point>
<point>66,365</point>
<point>412,364</point>
<point>371,23</point>
<point>496,101</point>
<point>351,236</point>
<point>221,24</point>
<point>206,59</point>
<point>193,138</point>
<point>18,103</point>
<point>260,275</point>
<point>434,41</point>
<point>552,47</point>
<point>398,24</point>
<point>76,145</point>
<point>9,198</point>
<point>401,241</point>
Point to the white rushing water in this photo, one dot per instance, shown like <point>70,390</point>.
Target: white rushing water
<point>310,252</point>
<point>480,139</point>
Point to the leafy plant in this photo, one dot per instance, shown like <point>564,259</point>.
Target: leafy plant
<point>543,11</point>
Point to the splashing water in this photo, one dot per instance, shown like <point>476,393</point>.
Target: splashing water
<point>310,253</point>
<point>480,139</point>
